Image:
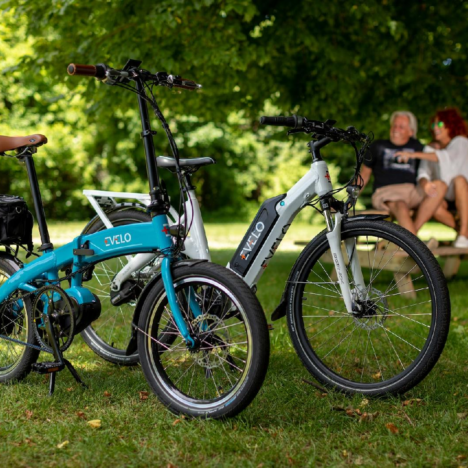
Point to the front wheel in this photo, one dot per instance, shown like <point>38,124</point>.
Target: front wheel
<point>223,373</point>
<point>397,336</point>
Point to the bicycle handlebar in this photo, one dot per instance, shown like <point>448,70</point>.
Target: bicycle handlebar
<point>102,71</point>
<point>98,71</point>
<point>294,121</point>
<point>325,129</point>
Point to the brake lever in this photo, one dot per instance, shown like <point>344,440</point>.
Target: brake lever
<point>179,82</point>
<point>297,130</point>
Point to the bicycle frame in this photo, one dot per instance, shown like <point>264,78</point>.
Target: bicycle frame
<point>264,235</point>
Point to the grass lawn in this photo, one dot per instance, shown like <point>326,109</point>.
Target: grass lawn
<point>290,423</point>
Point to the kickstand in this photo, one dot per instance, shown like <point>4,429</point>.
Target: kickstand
<point>59,359</point>
<point>52,383</point>
<point>74,372</point>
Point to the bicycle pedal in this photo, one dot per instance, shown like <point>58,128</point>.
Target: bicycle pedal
<point>47,367</point>
<point>270,327</point>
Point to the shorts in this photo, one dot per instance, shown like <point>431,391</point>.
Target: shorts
<point>413,195</point>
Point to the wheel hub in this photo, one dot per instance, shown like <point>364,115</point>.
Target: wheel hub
<point>213,338</point>
<point>372,312</point>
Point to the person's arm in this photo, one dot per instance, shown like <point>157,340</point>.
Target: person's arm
<point>405,156</point>
<point>366,172</point>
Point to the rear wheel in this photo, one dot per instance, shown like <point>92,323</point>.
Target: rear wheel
<point>109,335</point>
<point>401,329</point>
<point>15,326</point>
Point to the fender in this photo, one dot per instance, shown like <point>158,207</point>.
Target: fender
<point>17,263</point>
<point>132,345</point>
<point>280,310</point>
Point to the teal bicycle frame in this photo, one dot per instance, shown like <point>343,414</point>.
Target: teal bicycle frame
<point>125,240</point>
<point>94,248</point>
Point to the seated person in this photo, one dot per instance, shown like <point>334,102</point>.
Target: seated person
<point>395,187</point>
<point>448,165</point>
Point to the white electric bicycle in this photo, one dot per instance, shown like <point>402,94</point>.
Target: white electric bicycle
<point>367,305</point>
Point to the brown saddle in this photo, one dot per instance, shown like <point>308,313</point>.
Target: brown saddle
<point>12,143</point>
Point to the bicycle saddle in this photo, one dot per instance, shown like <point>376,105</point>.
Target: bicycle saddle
<point>189,165</point>
<point>12,143</point>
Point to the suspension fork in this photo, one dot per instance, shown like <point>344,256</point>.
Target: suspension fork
<point>334,240</point>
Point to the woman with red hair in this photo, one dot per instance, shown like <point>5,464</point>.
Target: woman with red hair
<point>448,164</point>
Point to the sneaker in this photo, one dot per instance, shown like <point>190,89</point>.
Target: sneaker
<point>461,242</point>
<point>432,243</point>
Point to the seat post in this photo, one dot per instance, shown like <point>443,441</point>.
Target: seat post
<point>36,194</point>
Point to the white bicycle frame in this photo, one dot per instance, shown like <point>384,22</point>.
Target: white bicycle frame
<point>315,182</point>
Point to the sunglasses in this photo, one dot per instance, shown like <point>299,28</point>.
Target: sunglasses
<point>439,124</point>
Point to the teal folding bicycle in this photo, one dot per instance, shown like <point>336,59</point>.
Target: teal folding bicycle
<point>202,335</point>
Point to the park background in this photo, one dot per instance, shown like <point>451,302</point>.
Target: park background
<point>355,62</point>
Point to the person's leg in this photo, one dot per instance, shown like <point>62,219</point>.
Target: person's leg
<point>443,215</point>
<point>461,202</point>
<point>429,205</point>
<point>401,211</point>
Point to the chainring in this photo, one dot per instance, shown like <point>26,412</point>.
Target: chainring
<point>61,313</point>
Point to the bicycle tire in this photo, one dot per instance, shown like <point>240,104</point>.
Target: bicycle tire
<point>13,323</point>
<point>403,332</point>
<point>176,374</point>
<point>102,336</point>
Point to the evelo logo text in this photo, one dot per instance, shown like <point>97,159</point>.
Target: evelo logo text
<point>252,240</point>
<point>117,240</point>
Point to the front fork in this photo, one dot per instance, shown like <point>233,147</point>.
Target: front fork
<point>334,240</point>
<point>194,307</point>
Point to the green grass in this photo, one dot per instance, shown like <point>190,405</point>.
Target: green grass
<point>290,423</point>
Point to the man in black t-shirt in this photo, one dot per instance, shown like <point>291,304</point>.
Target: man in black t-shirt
<point>395,188</point>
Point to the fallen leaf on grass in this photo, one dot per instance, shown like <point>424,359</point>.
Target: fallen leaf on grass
<point>28,414</point>
<point>392,428</point>
<point>368,417</point>
<point>63,444</point>
<point>461,457</point>
<point>70,389</point>
<point>144,395</point>
<point>364,402</point>
<point>80,414</point>
<point>107,394</point>
<point>414,402</point>
<point>462,415</point>
<point>95,423</point>
<point>177,421</point>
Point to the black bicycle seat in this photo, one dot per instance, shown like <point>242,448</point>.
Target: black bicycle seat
<point>187,165</point>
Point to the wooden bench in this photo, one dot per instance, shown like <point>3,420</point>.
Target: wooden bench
<point>452,259</point>
<point>402,267</point>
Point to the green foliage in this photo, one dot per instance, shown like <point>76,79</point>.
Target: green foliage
<point>354,62</point>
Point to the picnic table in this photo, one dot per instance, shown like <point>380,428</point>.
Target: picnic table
<point>400,265</point>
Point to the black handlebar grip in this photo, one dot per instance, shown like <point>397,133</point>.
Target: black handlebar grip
<point>98,71</point>
<point>294,121</point>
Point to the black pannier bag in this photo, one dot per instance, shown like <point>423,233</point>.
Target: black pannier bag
<point>16,221</point>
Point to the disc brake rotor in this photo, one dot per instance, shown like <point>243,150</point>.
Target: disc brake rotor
<point>374,311</point>
<point>214,341</point>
